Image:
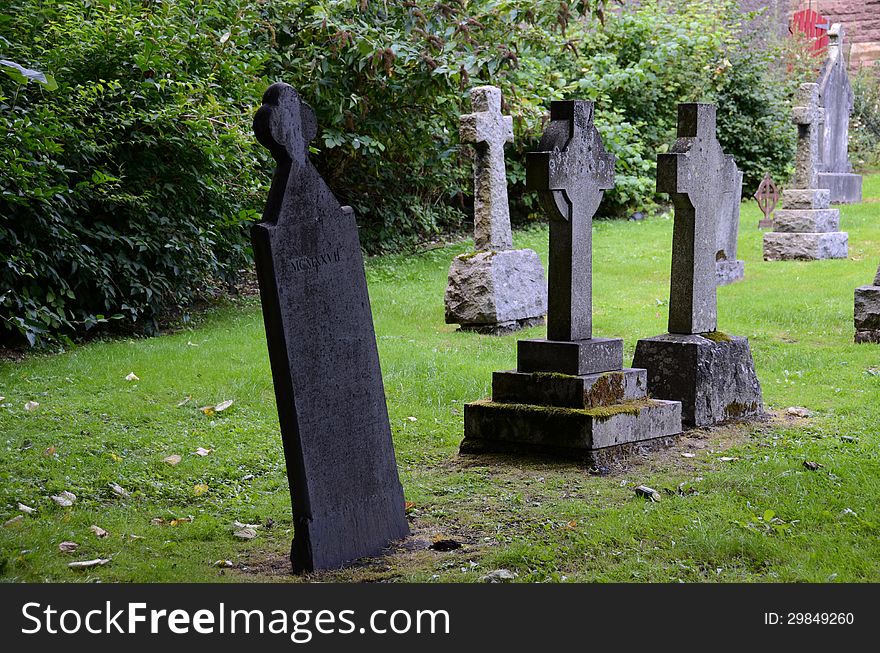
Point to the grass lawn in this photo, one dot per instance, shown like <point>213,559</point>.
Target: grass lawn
<point>742,508</point>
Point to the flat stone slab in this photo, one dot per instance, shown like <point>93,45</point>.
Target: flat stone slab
<point>866,314</point>
<point>806,198</point>
<point>714,380</point>
<point>793,246</point>
<point>605,432</point>
<point>844,187</point>
<point>807,220</point>
<point>568,391</point>
<point>727,272</point>
<point>872,336</point>
<point>492,288</point>
<point>575,357</point>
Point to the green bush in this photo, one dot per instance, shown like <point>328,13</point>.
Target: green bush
<point>126,191</point>
<point>865,125</point>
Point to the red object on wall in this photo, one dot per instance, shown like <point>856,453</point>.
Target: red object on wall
<point>814,26</point>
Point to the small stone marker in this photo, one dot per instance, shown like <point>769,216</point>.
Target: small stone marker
<point>805,227</point>
<point>710,373</point>
<point>496,289</point>
<point>570,395</point>
<point>836,98</point>
<point>727,268</point>
<point>767,196</point>
<point>346,495</point>
<point>867,312</point>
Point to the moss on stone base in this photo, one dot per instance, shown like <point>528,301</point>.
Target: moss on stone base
<point>600,413</point>
<point>470,255</point>
<point>717,336</point>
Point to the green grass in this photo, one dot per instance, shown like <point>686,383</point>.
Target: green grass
<point>543,520</point>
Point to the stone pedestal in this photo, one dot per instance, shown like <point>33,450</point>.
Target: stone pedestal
<point>712,375</point>
<point>844,187</point>
<point>595,418</point>
<point>806,228</point>
<point>866,315</point>
<point>496,292</point>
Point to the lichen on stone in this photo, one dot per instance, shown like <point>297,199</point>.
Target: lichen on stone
<point>716,336</point>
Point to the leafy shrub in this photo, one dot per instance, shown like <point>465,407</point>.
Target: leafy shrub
<point>865,125</point>
<point>126,191</point>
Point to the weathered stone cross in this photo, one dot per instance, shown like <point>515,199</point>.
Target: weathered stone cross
<point>692,173</point>
<point>572,171</point>
<point>808,116</point>
<point>488,131</point>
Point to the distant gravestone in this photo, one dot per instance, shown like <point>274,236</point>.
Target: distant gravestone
<point>346,495</point>
<point>570,395</point>
<point>727,268</point>
<point>495,289</point>
<point>767,196</point>
<point>806,227</point>
<point>867,312</point>
<point>710,373</point>
<point>836,98</point>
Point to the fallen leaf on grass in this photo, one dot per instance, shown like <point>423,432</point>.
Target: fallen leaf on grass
<point>207,410</point>
<point>68,547</point>
<point>201,451</point>
<point>50,451</point>
<point>647,492</point>
<point>798,411</point>
<point>809,464</point>
<point>132,377</point>
<point>26,509</point>
<point>727,459</point>
<point>184,401</point>
<point>12,522</point>
<point>223,405</point>
<point>199,489</point>
<point>116,458</point>
<point>245,533</point>
<point>30,405</point>
<point>157,521</point>
<point>97,530</point>
<point>181,520</point>
<point>238,524</point>
<point>172,460</point>
<point>408,505</point>
<point>2,399</point>
<point>88,564</point>
<point>223,563</point>
<point>118,489</point>
<point>65,499</point>
<point>688,455</point>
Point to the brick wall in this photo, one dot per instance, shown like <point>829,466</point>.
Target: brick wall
<point>861,22</point>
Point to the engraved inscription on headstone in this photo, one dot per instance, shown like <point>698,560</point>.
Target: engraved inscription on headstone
<point>346,495</point>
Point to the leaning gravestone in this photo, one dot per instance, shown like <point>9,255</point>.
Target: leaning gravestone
<point>727,268</point>
<point>836,98</point>
<point>570,395</point>
<point>495,289</point>
<point>806,227</point>
<point>712,374</point>
<point>346,495</point>
<point>867,312</point>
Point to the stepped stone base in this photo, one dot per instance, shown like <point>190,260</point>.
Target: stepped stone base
<point>805,246</point>
<point>866,314</point>
<point>806,220</point>
<point>714,379</point>
<point>594,436</point>
<point>569,356</point>
<point>727,272</point>
<point>844,187</point>
<point>589,417</point>
<point>496,292</point>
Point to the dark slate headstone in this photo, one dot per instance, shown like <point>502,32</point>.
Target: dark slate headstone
<point>347,498</point>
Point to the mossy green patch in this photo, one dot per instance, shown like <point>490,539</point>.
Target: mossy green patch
<point>470,255</point>
<point>601,413</point>
<point>539,376</point>
<point>717,336</point>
